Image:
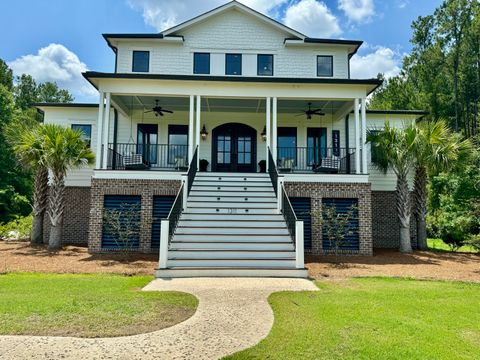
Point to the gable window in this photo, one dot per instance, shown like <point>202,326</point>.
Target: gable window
<point>201,63</point>
<point>140,61</point>
<point>86,131</point>
<point>264,65</point>
<point>325,65</point>
<point>233,64</point>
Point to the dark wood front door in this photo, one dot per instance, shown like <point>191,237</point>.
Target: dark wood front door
<point>234,148</point>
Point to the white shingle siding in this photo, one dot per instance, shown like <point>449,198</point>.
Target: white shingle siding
<point>233,32</point>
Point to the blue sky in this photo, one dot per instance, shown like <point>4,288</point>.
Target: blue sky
<point>57,39</point>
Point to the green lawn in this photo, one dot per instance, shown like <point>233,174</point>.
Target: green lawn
<point>87,305</point>
<point>374,318</point>
<point>439,245</point>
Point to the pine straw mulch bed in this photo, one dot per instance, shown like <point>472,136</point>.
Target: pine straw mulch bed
<point>22,257</point>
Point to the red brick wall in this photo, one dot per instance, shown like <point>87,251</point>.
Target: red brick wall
<point>75,217</point>
<point>317,191</point>
<point>145,188</point>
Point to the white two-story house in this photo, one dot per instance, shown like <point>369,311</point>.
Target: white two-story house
<point>229,133</point>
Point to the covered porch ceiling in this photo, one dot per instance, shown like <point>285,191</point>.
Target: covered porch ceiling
<point>131,103</point>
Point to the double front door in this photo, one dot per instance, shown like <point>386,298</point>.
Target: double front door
<point>234,148</point>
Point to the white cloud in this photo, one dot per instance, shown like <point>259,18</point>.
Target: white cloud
<point>313,18</point>
<point>357,10</point>
<point>57,64</point>
<point>163,14</point>
<point>384,60</point>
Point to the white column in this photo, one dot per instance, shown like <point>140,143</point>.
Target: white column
<point>106,130</point>
<point>274,129</point>
<point>190,128</point>
<point>364,136</point>
<point>98,152</point>
<point>357,136</point>
<point>163,256</point>
<point>267,125</point>
<point>197,128</point>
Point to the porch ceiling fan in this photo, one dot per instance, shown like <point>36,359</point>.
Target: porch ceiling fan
<point>309,112</point>
<point>158,110</point>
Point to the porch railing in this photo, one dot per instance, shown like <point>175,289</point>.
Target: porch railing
<point>322,160</point>
<point>131,156</point>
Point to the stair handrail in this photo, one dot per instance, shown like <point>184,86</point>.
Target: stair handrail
<point>192,170</point>
<point>272,171</point>
<point>168,226</point>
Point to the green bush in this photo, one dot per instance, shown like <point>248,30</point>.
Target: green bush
<point>474,242</point>
<point>18,229</point>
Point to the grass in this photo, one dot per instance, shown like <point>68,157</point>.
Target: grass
<point>86,305</point>
<point>374,318</point>
<point>439,245</point>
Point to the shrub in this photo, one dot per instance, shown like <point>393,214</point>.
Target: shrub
<point>474,242</point>
<point>18,229</point>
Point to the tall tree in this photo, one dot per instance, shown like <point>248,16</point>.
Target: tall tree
<point>63,149</point>
<point>437,149</point>
<point>6,75</point>
<point>49,92</point>
<point>395,149</point>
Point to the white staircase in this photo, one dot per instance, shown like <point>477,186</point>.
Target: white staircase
<point>231,227</point>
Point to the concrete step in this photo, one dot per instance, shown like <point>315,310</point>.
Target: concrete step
<point>232,238</point>
<point>240,245</point>
<point>237,263</point>
<point>181,272</point>
<point>230,254</point>
<point>234,229</point>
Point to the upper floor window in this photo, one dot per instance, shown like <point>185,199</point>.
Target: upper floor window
<point>264,65</point>
<point>201,63</point>
<point>140,61</point>
<point>86,131</point>
<point>233,64</point>
<point>324,65</point>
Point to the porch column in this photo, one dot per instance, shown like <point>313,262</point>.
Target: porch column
<point>274,129</point>
<point>356,111</point>
<point>190,128</point>
<point>98,150</point>
<point>197,129</point>
<point>268,119</point>
<point>106,130</point>
<point>364,136</point>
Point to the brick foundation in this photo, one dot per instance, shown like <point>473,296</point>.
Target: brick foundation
<point>385,224</point>
<point>317,191</point>
<point>145,188</point>
<point>75,217</point>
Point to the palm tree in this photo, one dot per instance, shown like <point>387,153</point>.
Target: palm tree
<point>438,149</point>
<point>63,150</point>
<point>24,136</point>
<point>395,150</point>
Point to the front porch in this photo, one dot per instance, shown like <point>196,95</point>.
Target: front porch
<point>232,134</point>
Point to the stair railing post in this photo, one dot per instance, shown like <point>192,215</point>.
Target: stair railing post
<point>279,194</point>
<point>299,251</point>
<point>185,191</point>
<point>164,230</point>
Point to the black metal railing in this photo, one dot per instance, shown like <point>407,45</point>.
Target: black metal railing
<point>272,171</point>
<point>192,170</point>
<point>321,160</point>
<point>129,156</point>
<point>288,214</point>
<point>175,213</point>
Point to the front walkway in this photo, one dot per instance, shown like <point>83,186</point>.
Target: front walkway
<point>233,314</point>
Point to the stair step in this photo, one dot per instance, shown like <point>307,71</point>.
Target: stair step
<point>226,182</point>
<point>231,237</point>
<point>231,205</point>
<point>257,217</point>
<point>230,254</point>
<point>233,230</point>
<point>207,245</point>
<point>228,210</point>
<point>241,179</point>
<point>230,175</point>
<point>235,188</point>
<point>178,272</point>
<point>233,198</point>
<point>246,263</point>
<point>239,223</point>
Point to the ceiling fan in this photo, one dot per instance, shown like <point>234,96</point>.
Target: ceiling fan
<point>309,112</point>
<point>158,110</point>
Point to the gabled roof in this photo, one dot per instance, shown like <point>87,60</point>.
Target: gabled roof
<point>234,5</point>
